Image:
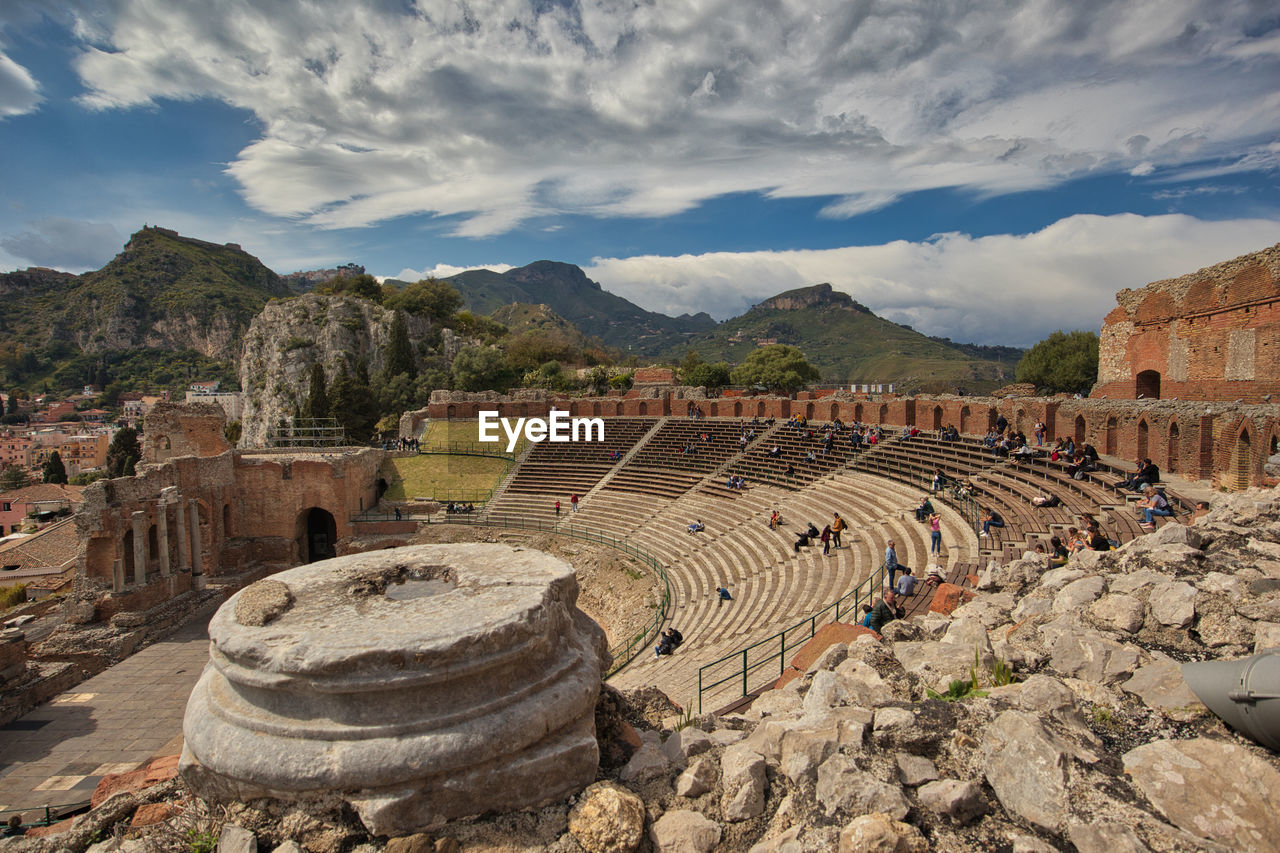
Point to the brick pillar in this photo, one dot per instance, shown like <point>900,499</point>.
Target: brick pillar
<point>139,548</point>
<point>184,542</point>
<point>197,559</point>
<point>162,538</point>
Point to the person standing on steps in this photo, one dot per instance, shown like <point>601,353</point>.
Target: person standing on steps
<point>935,533</point>
<point>573,501</point>
<point>557,508</point>
<point>837,527</point>
<point>825,536</point>
<point>891,564</point>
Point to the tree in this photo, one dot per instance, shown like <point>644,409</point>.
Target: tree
<point>54,471</point>
<point>481,369</point>
<point>1063,362</point>
<point>13,403</point>
<point>124,453</point>
<point>715,375</point>
<point>232,432</point>
<point>777,367</point>
<point>365,286</point>
<point>427,297</point>
<point>352,404</point>
<point>399,354</point>
<point>13,477</point>
<point>317,395</point>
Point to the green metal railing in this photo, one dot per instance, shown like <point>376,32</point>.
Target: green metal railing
<point>495,450</point>
<point>626,652</point>
<point>757,659</point>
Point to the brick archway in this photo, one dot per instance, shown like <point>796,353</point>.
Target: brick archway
<point>1146,385</point>
<point>1242,461</point>
<point>1080,430</point>
<point>1144,438</point>
<point>1112,437</point>
<point>1171,456</point>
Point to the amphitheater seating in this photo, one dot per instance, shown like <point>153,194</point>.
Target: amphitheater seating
<point>794,446</point>
<point>663,467</point>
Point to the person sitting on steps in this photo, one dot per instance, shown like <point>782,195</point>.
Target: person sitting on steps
<point>668,643</point>
<point>804,537</point>
<point>697,526</point>
<point>991,519</point>
<point>724,596</point>
<point>906,583</point>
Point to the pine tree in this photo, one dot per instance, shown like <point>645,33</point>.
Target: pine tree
<point>399,354</point>
<point>318,395</point>
<point>124,453</point>
<point>13,477</point>
<point>54,471</point>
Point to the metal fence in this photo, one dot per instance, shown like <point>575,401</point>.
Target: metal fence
<point>624,653</point>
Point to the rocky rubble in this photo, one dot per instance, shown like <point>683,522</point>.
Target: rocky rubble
<point>1096,746</point>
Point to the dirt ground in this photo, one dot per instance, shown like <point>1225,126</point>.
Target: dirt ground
<point>616,590</point>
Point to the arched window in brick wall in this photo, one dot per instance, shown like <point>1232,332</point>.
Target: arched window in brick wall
<point>644,409</point>
<point>226,520</point>
<point>937,417</point>
<point>1111,437</point>
<point>1171,458</point>
<point>835,411</point>
<point>964,419</point>
<point>884,414</point>
<point>1080,430</point>
<point>450,411</point>
<point>1144,438</point>
<point>153,548</point>
<point>595,409</point>
<point>737,409</point>
<point>857,412</point>
<point>760,409</point>
<point>1147,385</point>
<point>808,411</point>
<point>126,544</point>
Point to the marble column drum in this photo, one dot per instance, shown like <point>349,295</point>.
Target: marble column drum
<point>418,684</point>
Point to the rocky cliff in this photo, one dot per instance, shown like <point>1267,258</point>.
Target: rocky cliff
<point>292,334</point>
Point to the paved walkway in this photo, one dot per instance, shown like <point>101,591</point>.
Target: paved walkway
<point>111,723</point>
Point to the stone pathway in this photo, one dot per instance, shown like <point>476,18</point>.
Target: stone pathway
<point>111,723</point>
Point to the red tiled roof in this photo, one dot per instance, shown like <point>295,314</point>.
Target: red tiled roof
<point>44,492</point>
<point>51,551</point>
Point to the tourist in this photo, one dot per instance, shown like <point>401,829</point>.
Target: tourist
<point>935,533</point>
<point>1039,430</point>
<point>804,537</point>
<point>1060,554</point>
<point>885,611</point>
<point>669,641</point>
<point>573,501</point>
<point>398,515</point>
<point>924,510</point>
<point>557,507</point>
<point>1152,504</point>
<point>825,538</point>
<point>724,596</point>
<point>1202,509</point>
<point>933,577</point>
<point>790,473</point>
<point>866,616</point>
<point>837,527</point>
<point>891,564</point>
<point>906,585</point>
<point>1002,424</point>
<point>776,451</point>
<point>1076,541</point>
<point>1046,501</point>
<point>1098,540</point>
<point>775,519</point>
<point>991,519</point>
<point>697,526</point>
<point>939,481</point>
<point>1147,474</point>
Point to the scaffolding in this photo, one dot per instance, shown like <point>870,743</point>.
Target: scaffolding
<point>307,432</point>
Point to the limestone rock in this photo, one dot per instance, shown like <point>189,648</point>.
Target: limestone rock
<point>1218,582</point>
<point>1173,603</point>
<point>968,633</point>
<point>787,841</point>
<point>843,787</point>
<point>1266,635</point>
<point>939,663</point>
<point>1085,654</point>
<point>1159,684</point>
<point>419,842</point>
<point>1119,612</point>
<point>881,833</point>
<point>1102,837</point>
<point>742,782</point>
<point>648,762</point>
<point>803,750</point>
<point>260,602</point>
<point>1212,789</point>
<point>684,832</point>
<point>686,743</point>
<point>698,778</point>
<point>236,839</point>
<point>377,685</point>
<point>607,819</point>
<point>1027,769</point>
<point>1134,581</point>
<point>1078,593</point>
<point>1031,844</point>
<point>915,770</point>
<point>292,846</point>
<point>960,801</point>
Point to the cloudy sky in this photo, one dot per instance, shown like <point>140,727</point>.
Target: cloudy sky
<point>989,170</point>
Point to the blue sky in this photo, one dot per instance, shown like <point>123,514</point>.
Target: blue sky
<point>989,171</point>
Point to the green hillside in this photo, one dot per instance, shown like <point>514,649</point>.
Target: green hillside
<point>567,291</point>
<point>850,344</point>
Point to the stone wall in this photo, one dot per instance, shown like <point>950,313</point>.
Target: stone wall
<point>1211,335</point>
<point>1224,443</point>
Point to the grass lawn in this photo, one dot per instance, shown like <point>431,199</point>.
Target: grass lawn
<point>463,478</point>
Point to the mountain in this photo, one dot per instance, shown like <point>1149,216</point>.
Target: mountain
<point>520,317</point>
<point>164,293</point>
<point>566,290</point>
<point>850,344</point>
<point>305,281</point>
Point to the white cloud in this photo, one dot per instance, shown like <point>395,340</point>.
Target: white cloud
<point>19,92</point>
<point>446,270</point>
<point>1000,289</point>
<point>72,245</point>
<point>497,111</point>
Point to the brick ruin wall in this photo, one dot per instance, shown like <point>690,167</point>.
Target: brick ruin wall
<point>1223,443</point>
<point>1211,335</point>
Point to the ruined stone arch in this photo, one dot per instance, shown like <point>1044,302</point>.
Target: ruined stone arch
<point>808,411</point>
<point>226,519</point>
<point>644,409</point>
<point>126,557</point>
<point>1019,419</point>
<point>153,548</point>
<point>857,413</point>
<point>1081,430</point>
<point>1241,460</point>
<point>1147,385</point>
<point>1171,448</point>
<point>964,419</point>
<point>737,409</point>
<point>835,411</point>
<point>1111,436</point>
<point>937,417</point>
<point>760,409</point>
<point>316,535</point>
<point>884,414</point>
<point>595,408</point>
<point>1144,438</point>
<point>450,411</point>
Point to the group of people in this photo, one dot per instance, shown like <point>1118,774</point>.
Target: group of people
<point>573,502</point>
<point>668,641</point>
<point>829,536</point>
<point>736,482</point>
<point>454,507</point>
<point>402,444</point>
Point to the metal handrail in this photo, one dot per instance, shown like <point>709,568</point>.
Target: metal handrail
<point>467,448</point>
<point>627,652</point>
